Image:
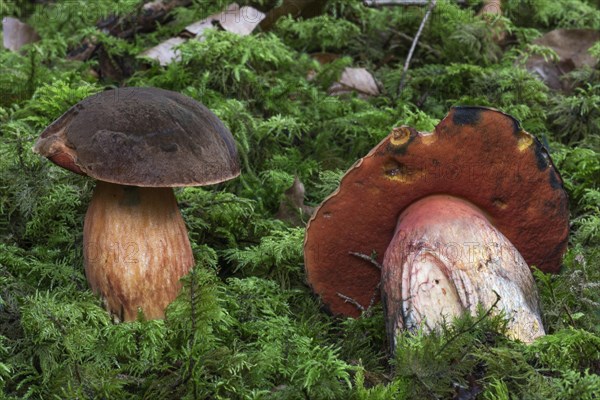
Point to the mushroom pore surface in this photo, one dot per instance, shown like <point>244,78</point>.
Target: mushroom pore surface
<point>447,258</point>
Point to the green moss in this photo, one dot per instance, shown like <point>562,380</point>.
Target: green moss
<point>246,325</point>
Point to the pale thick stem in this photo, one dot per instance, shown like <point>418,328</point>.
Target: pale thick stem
<point>447,258</point>
<point>136,249</point>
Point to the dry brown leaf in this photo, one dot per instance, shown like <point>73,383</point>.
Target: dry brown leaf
<point>145,19</point>
<point>239,20</point>
<point>324,58</point>
<point>355,80</point>
<point>493,7</point>
<point>165,52</point>
<point>321,58</point>
<point>112,67</point>
<point>295,8</point>
<point>292,208</point>
<point>572,46</point>
<point>16,34</point>
<point>197,28</point>
<point>490,11</point>
<point>85,50</point>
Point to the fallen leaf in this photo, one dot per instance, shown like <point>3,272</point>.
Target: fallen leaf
<point>144,20</point>
<point>292,208</point>
<point>493,7</point>
<point>112,67</point>
<point>295,8</point>
<point>572,46</point>
<point>491,10</point>
<point>324,58</point>
<point>355,80</point>
<point>17,34</point>
<point>321,58</point>
<point>239,20</point>
<point>165,52</point>
<point>84,51</point>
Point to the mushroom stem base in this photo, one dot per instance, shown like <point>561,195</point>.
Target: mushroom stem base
<point>136,249</point>
<point>447,258</point>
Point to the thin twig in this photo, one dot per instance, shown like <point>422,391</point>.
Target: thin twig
<point>423,45</point>
<point>414,45</point>
<point>369,309</point>
<point>366,312</point>
<point>566,308</point>
<point>367,258</point>
<point>351,301</point>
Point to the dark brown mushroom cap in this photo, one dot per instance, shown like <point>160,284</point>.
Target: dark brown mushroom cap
<point>475,153</point>
<point>142,137</point>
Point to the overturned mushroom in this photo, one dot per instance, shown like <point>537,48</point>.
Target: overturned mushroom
<point>139,143</point>
<point>454,217</point>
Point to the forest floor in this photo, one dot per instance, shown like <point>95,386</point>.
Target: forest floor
<point>246,324</point>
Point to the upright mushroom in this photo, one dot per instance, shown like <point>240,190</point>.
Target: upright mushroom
<point>453,216</point>
<point>139,143</point>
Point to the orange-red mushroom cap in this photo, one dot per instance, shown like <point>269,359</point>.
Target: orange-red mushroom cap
<point>475,153</point>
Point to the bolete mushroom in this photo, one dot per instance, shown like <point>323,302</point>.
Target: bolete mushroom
<point>139,143</point>
<point>453,217</point>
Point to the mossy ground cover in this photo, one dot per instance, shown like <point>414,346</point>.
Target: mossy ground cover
<point>246,325</point>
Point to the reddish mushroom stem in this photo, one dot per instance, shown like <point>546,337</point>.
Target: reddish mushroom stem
<point>136,249</point>
<point>447,258</point>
